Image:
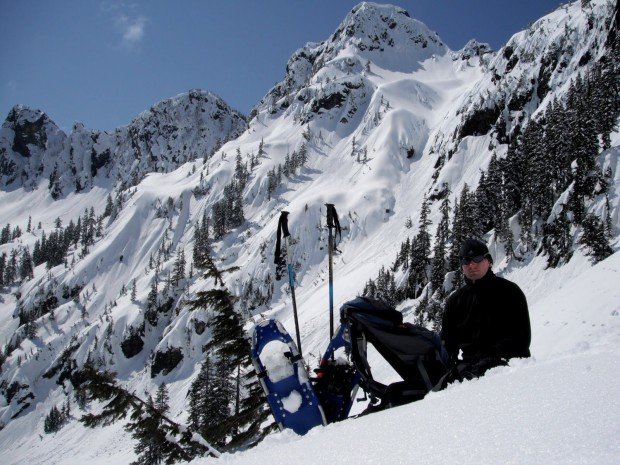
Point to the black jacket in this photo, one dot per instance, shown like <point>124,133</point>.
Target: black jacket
<point>487,319</point>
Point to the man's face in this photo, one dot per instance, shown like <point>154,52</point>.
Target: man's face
<point>475,271</point>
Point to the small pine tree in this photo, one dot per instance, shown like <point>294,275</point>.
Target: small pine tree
<point>179,267</point>
<point>231,352</point>
<point>26,270</point>
<point>159,439</point>
<point>595,238</point>
<point>54,420</point>
<point>162,399</point>
<point>442,236</point>
<point>152,303</point>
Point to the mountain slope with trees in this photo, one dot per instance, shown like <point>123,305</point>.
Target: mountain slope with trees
<point>146,253</point>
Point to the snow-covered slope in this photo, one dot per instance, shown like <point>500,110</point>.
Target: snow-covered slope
<point>557,407</point>
<point>529,414</point>
<point>386,114</point>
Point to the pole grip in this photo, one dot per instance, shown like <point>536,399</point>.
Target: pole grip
<point>284,223</point>
<point>330,214</point>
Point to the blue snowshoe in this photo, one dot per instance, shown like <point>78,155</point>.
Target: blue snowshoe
<point>284,378</point>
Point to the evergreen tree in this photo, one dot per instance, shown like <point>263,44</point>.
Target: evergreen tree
<point>162,399</point>
<point>151,447</point>
<point>237,217</point>
<point>384,288</point>
<point>54,420</point>
<point>10,269</point>
<point>442,236</point>
<point>594,238</point>
<point>402,258</point>
<point>271,183</point>
<point>179,267</point>
<point>231,349</point>
<point>219,422</point>
<point>302,155</point>
<point>2,267</point>
<point>279,175</point>
<point>489,196</point>
<point>54,183</point>
<point>261,149</point>
<point>241,172</point>
<point>5,235</point>
<point>158,438</point>
<point>202,246</point>
<point>199,393</point>
<point>133,290</point>
<point>420,254</point>
<point>503,230</point>
<point>109,206</point>
<point>584,148</point>
<point>219,220</point>
<point>25,265</point>
<point>557,136</point>
<point>152,303</point>
<point>608,224</point>
<point>30,328</point>
<point>77,232</point>
<point>464,226</point>
<point>513,171</point>
<point>370,289</point>
<point>557,240</point>
<point>436,310</point>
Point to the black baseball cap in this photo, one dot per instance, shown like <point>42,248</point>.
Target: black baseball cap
<point>474,248</point>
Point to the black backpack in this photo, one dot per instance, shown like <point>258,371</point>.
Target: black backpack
<point>414,352</point>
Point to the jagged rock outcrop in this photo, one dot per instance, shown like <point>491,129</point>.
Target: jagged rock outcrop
<point>174,131</point>
<point>472,49</point>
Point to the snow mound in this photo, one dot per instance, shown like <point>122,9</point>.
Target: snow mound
<point>275,361</point>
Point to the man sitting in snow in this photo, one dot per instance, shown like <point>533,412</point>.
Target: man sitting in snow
<point>487,319</point>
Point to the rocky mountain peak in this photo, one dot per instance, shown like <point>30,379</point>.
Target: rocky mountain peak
<point>23,113</point>
<point>197,104</point>
<point>384,35</point>
<point>472,48</point>
<point>370,29</point>
<point>30,127</point>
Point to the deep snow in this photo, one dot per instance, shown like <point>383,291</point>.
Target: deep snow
<point>542,410</point>
<point>558,407</point>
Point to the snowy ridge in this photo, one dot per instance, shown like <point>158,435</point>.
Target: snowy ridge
<point>521,78</point>
<point>380,108</point>
<point>174,131</point>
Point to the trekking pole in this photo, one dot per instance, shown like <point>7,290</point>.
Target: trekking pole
<point>283,232</point>
<point>332,222</point>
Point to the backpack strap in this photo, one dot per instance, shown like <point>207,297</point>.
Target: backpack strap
<point>424,373</point>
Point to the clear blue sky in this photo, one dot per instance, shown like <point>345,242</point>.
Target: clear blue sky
<point>104,62</point>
